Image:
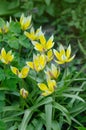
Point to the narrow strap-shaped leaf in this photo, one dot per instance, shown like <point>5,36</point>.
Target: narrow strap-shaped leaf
<point>48,114</point>
<point>63,110</point>
<point>26,118</point>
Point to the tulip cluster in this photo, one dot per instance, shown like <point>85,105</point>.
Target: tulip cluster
<point>42,60</point>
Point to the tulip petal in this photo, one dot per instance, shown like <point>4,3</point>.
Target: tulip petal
<point>21,19</point>
<point>46,93</point>
<point>3,53</point>
<point>30,64</point>
<point>30,36</point>
<point>38,46</point>
<point>42,61</point>
<point>43,87</point>
<point>15,70</point>
<point>59,62</point>
<point>42,39</point>
<point>54,71</point>
<point>9,56</point>
<point>51,85</point>
<point>68,52</point>
<point>70,59</point>
<point>50,43</point>
<point>24,71</point>
<point>61,49</point>
<point>57,54</point>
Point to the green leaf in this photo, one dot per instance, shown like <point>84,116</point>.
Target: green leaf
<point>73,96</point>
<point>42,102</point>
<point>15,27</point>
<point>2,104</point>
<point>47,2</point>
<point>8,7</point>
<point>56,125</point>
<point>70,1</point>
<point>64,111</point>
<point>30,127</point>
<point>2,125</point>
<point>50,10</point>
<point>26,118</point>
<point>13,42</point>
<point>24,41</point>
<point>81,128</point>
<point>2,75</point>
<point>37,124</point>
<point>2,22</point>
<point>48,115</point>
<point>11,84</point>
<point>2,96</point>
<point>11,108</point>
<point>14,127</point>
<point>82,48</point>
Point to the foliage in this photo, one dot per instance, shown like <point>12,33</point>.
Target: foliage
<point>31,96</point>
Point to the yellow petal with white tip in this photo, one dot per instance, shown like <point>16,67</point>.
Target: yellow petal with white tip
<point>24,71</point>
<point>70,59</point>
<point>59,62</point>
<point>42,61</point>
<point>68,52</point>
<point>30,64</point>
<point>15,70</point>
<point>22,19</point>
<point>50,43</point>
<point>42,39</point>
<point>38,46</point>
<point>57,54</point>
<point>10,56</point>
<point>3,53</point>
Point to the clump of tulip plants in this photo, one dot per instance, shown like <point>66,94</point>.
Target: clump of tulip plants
<point>36,91</point>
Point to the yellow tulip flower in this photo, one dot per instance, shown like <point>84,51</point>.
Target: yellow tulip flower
<point>52,72</point>
<point>38,63</point>
<point>22,74</point>
<point>63,56</point>
<point>43,45</point>
<point>25,22</point>
<point>5,28</point>
<point>6,58</point>
<point>49,88</point>
<point>33,35</point>
<point>23,93</point>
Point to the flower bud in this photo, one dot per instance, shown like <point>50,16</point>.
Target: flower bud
<point>23,93</point>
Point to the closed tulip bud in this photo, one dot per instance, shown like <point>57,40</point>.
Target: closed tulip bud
<point>24,93</point>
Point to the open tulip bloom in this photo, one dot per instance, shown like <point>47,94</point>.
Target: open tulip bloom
<point>47,89</point>
<point>21,74</point>
<point>63,56</point>
<point>25,22</point>
<point>52,72</point>
<point>43,45</point>
<point>38,63</point>
<point>6,58</point>
<point>5,28</point>
<point>32,35</point>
